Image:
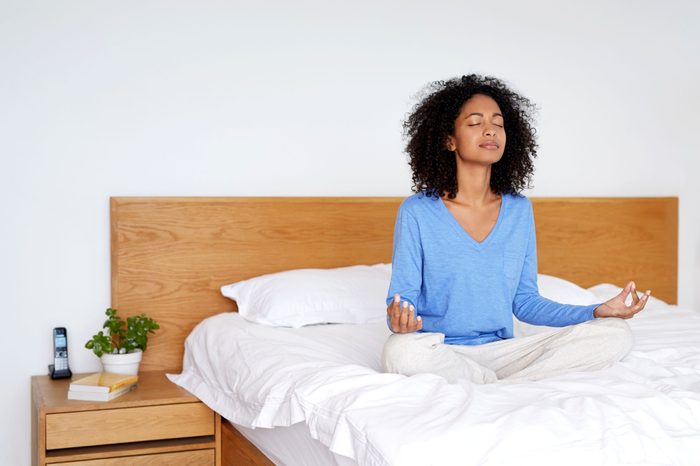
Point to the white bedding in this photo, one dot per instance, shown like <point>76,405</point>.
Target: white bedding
<point>644,410</point>
<point>293,446</point>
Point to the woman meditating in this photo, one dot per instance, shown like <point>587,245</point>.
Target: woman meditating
<point>465,258</point>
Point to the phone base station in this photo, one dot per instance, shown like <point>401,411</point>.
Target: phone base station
<point>59,374</point>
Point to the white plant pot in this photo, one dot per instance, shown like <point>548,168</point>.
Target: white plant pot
<point>127,363</point>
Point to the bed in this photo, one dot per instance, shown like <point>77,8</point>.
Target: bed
<point>170,257</point>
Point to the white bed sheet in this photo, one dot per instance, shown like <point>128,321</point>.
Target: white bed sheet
<point>293,446</point>
<point>644,410</point>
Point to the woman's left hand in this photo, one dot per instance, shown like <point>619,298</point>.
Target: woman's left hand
<point>616,307</point>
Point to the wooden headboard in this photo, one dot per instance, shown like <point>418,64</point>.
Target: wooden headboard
<point>171,255</point>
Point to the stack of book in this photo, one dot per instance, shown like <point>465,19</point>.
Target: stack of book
<point>102,386</point>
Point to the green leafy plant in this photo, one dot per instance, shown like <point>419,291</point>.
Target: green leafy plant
<point>123,336</point>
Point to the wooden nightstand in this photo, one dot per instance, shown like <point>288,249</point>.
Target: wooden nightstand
<point>158,423</point>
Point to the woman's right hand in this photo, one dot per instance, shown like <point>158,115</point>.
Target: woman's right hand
<point>402,318</point>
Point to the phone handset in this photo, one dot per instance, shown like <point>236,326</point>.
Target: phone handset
<point>59,369</point>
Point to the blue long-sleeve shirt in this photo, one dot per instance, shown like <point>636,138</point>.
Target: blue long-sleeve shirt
<point>466,289</point>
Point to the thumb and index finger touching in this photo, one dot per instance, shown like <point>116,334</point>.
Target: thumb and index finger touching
<point>631,289</point>
<point>403,316</point>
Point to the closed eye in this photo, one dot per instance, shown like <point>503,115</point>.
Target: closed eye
<point>479,124</point>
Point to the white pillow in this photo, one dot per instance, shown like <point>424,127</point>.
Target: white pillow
<point>295,298</point>
<point>563,291</point>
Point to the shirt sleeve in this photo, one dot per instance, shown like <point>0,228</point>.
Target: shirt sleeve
<point>530,307</point>
<point>407,260</point>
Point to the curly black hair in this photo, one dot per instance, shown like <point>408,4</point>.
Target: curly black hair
<point>433,120</point>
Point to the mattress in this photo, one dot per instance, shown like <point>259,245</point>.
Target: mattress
<point>326,382</point>
<point>293,446</point>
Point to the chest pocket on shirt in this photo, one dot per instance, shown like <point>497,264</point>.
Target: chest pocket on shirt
<point>512,266</point>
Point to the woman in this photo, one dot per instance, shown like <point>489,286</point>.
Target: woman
<point>464,255</point>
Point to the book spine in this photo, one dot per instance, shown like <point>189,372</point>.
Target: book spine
<point>88,388</point>
<point>87,396</point>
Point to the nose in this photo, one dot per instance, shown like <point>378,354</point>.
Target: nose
<point>490,131</point>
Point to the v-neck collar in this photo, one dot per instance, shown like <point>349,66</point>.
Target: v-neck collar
<point>461,231</point>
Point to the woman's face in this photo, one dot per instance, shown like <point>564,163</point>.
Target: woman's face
<point>479,135</point>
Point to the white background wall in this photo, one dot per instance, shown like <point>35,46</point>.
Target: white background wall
<point>149,97</point>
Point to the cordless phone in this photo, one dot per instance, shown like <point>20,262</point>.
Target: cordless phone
<point>59,369</point>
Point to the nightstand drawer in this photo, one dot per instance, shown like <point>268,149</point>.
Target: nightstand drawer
<point>190,458</point>
<point>109,426</point>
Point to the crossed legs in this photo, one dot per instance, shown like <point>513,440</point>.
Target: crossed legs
<point>588,346</point>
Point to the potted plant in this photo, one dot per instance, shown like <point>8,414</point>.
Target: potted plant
<point>120,350</point>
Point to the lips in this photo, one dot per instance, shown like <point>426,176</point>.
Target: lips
<point>489,145</point>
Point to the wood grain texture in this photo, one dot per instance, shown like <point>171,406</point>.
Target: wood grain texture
<point>217,436</point>
<point>130,449</point>
<point>238,451</point>
<point>154,389</point>
<point>610,240</point>
<point>38,423</point>
<point>190,458</point>
<point>123,425</point>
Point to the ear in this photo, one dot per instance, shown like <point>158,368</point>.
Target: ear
<point>451,144</point>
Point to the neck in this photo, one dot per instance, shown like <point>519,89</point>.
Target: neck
<point>474,184</point>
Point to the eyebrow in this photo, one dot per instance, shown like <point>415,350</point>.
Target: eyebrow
<point>481,114</point>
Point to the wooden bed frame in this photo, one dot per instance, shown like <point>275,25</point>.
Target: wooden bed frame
<point>170,256</point>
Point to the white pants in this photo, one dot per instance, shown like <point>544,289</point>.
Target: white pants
<point>588,346</point>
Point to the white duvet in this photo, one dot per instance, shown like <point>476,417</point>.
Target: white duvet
<point>643,410</point>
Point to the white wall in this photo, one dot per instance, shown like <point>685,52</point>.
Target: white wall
<point>299,98</point>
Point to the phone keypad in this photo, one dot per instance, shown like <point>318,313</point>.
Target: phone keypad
<point>61,361</point>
